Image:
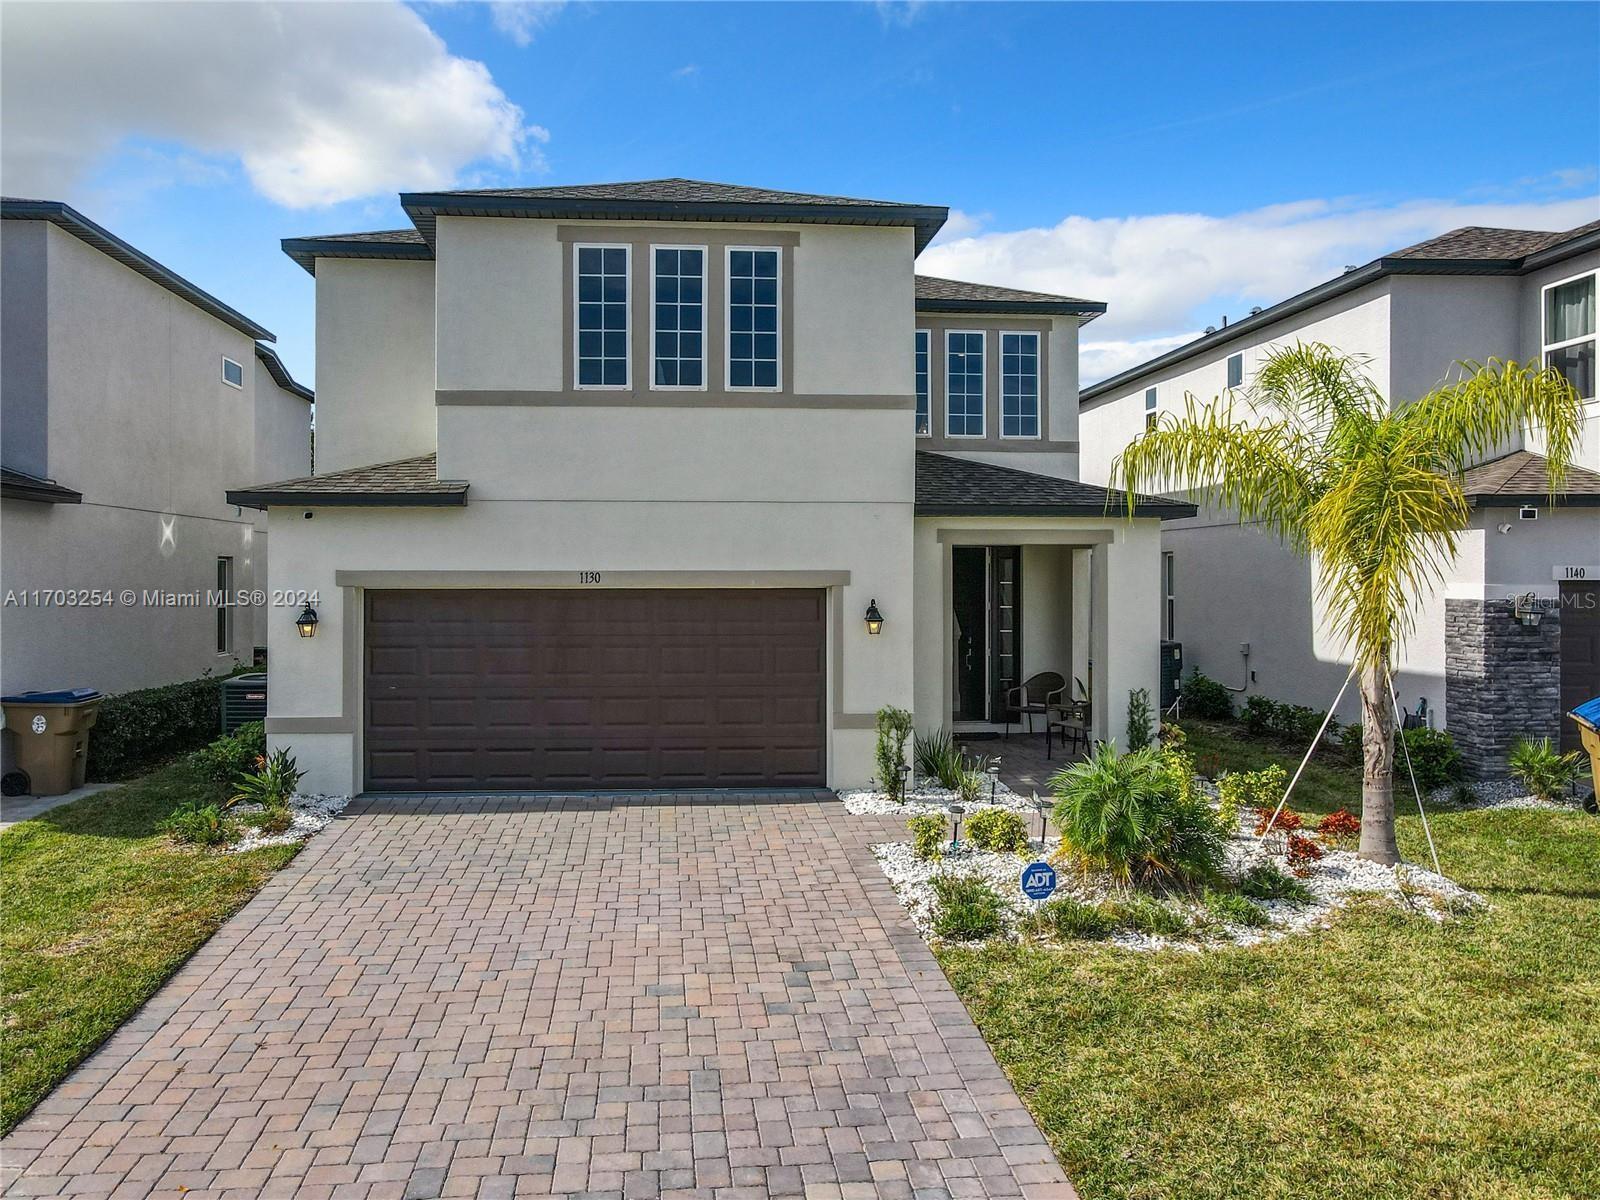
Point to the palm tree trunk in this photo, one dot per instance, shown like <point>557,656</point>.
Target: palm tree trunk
<point>1377,766</point>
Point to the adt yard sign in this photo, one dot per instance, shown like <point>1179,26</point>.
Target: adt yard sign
<point>1038,880</point>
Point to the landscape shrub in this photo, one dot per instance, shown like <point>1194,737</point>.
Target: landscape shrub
<point>970,786</point>
<point>1239,790</point>
<point>1139,718</point>
<point>1541,768</point>
<point>1265,882</point>
<point>998,830</point>
<point>1231,908</point>
<point>894,727</point>
<point>1172,736</point>
<point>232,754</point>
<point>1288,722</point>
<point>1302,852</point>
<point>1147,915</point>
<point>927,836</point>
<point>197,824</point>
<point>273,785</point>
<point>143,729</point>
<point>1128,815</point>
<point>938,758</point>
<point>1340,823</point>
<point>1434,758</point>
<point>1205,698</point>
<point>272,820</point>
<point>969,910</point>
<point>1287,821</point>
<point>1070,919</point>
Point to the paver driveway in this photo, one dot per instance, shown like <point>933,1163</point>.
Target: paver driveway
<point>629,997</point>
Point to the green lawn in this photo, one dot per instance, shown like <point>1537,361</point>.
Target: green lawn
<point>98,910</point>
<point>1386,1057</point>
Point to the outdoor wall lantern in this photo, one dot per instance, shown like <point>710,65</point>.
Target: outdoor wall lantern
<point>306,622</point>
<point>874,618</point>
<point>1528,611</point>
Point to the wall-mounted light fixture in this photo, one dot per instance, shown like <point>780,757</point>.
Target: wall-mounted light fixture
<point>306,622</point>
<point>1528,610</point>
<point>874,618</point>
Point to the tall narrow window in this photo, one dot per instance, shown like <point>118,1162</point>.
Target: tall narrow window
<point>1569,332</point>
<point>963,383</point>
<point>602,323</point>
<point>679,316</point>
<point>753,319</point>
<point>1149,408</point>
<point>1019,385</point>
<point>224,600</point>
<point>1236,370</point>
<point>1169,592</point>
<point>924,401</point>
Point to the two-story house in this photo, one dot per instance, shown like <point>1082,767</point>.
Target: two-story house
<point>674,484</point>
<point>1244,607</point>
<point>131,398</point>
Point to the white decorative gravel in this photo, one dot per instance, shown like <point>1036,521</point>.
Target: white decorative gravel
<point>931,798</point>
<point>309,815</point>
<point>1489,794</point>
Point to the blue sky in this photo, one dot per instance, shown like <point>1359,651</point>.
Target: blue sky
<point>1179,161</point>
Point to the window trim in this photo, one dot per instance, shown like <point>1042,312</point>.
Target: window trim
<point>983,383</point>
<point>1152,409</point>
<point>1592,336</point>
<point>224,610</point>
<point>226,382</point>
<point>705,325</point>
<point>1169,596</point>
<point>727,319</point>
<point>1227,371</point>
<point>928,335</point>
<point>627,332</point>
<point>1038,383</point>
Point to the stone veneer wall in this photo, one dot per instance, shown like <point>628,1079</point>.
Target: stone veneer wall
<point>1502,680</point>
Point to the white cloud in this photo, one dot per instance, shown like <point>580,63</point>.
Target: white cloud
<point>319,103</point>
<point>1166,275</point>
<point>687,71</point>
<point>901,13</point>
<point>519,20</point>
<point>961,224</point>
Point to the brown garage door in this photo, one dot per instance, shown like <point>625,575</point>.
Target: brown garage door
<point>548,690</point>
<point>1580,653</point>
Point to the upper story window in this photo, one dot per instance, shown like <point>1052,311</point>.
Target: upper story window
<point>924,401</point>
<point>1019,385</point>
<point>679,324</point>
<point>1236,370</point>
<point>1569,332</point>
<point>1149,408</point>
<point>602,319</point>
<point>753,318</point>
<point>232,373</point>
<point>963,383</point>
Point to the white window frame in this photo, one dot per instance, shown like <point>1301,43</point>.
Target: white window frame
<point>983,386</point>
<point>928,334</point>
<point>627,332</point>
<point>727,318</point>
<point>705,324</point>
<point>1544,315</point>
<point>1038,382</point>
<point>1227,370</point>
<point>1169,594</point>
<point>224,611</point>
<point>1152,408</point>
<point>238,387</point>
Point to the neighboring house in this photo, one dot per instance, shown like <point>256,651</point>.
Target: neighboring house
<point>1243,606</point>
<point>130,399</point>
<point>612,477</point>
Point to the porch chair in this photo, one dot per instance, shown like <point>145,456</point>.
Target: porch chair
<point>1034,695</point>
<point>1071,721</point>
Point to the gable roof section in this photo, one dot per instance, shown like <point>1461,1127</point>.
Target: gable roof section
<point>405,483</point>
<point>383,243</point>
<point>280,374</point>
<point>962,487</point>
<point>19,485</point>
<point>956,296</point>
<point>1473,250</point>
<point>79,226</point>
<point>1519,478</point>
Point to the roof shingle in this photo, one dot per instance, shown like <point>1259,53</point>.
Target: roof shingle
<point>954,295</point>
<point>1481,242</point>
<point>953,487</point>
<point>1521,477</point>
<point>407,482</point>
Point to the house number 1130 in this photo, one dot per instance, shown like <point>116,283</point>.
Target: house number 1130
<point>588,576</point>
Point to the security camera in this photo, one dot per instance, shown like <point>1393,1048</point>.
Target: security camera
<point>1505,526</point>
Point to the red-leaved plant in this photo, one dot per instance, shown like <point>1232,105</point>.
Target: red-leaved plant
<point>1288,821</point>
<point>1302,852</point>
<point>1338,824</point>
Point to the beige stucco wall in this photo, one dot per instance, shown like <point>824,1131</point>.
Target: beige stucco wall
<point>498,298</point>
<point>375,369</point>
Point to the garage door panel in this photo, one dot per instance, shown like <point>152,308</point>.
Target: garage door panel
<point>516,690</point>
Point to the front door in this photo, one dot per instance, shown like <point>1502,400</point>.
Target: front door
<point>986,594</point>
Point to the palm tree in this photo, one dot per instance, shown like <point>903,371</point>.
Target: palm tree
<point>1373,493</point>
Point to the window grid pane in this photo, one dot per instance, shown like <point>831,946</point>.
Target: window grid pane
<point>753,318</point>
<point>1236,371</point>
<point>679,349</point>
<point>1019,385</point>
<point>964,384</point>
<point>602,316</point>
<point>924,426</point>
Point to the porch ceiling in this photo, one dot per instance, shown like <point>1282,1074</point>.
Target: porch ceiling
<point>961,487</point>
